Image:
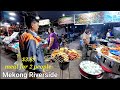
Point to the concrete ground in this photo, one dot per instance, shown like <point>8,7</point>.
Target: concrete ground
<point>8,58</point>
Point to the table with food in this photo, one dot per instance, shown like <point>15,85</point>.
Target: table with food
<point>117,40</point>
<point>109,54</point>
<point>102,41</point>
<point>13,47</point>
<point>64,56</point>
<point>111,50</point>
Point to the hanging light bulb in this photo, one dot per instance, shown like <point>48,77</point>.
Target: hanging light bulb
<point>18,23</point>
<point>63,14</point>
<point>12,14</point>
<point>12,18</point>
<point>37,17</point>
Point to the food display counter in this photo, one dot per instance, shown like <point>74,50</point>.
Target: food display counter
<point>64,56</point>
<point>103,41</point>
<point>110,56</point>
<point>14,47</point>
<point>105,52</point>
<point>117,41</point>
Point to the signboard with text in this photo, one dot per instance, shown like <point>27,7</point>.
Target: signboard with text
<point>44,22</point>
<point>97,17</point>
<point>89,18</point>
<point>66,20</point>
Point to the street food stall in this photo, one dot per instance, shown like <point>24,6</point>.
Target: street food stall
<point>108,54</point>
<point>10,43</point>
<point>64,56</point>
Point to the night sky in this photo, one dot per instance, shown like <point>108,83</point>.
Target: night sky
<point>53,15</point>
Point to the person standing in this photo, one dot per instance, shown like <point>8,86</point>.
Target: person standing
<point>109,34</point>
<point>30,48</point>
<point>86,41</point>
<point>52,40</point>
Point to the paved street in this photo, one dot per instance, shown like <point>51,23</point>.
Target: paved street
<point>8,58</point>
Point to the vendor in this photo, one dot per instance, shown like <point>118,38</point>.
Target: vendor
<point>29,47</point>
<point>86,41</point>
<point>109,34</point>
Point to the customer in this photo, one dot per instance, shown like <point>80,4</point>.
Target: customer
<point>109,34</point>
<point>52,40</point>
<point>30,48</point>
<point>86,41</point>
<point>64,41</point>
